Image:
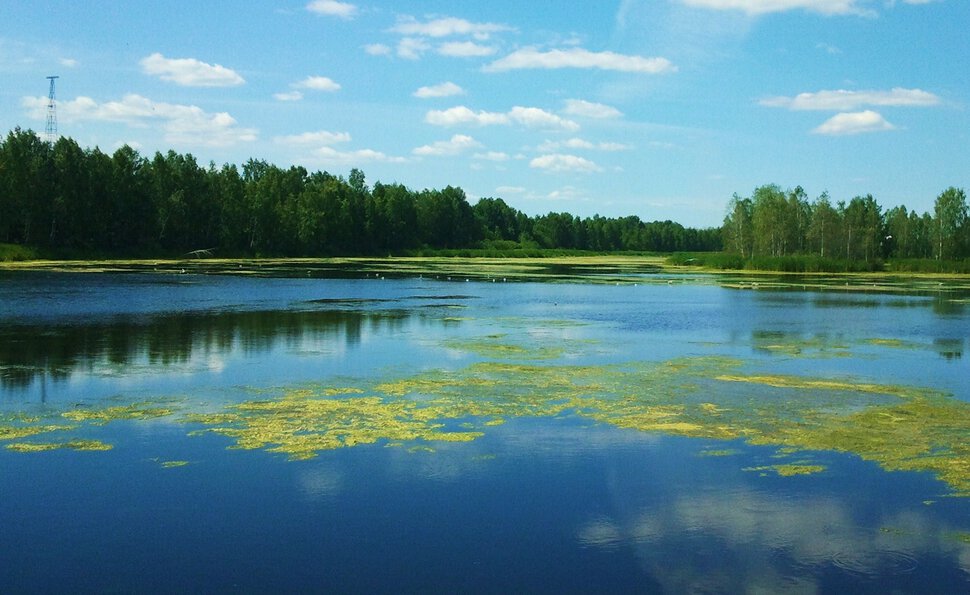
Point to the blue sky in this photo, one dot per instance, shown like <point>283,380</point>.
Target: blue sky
<point>656,108</point>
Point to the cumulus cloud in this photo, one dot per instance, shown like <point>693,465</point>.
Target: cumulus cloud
<point>531,117</point>
<point>317,83</point>
<point>289,96</point>
<point>189,72</point>
<point>447,27</point>
<point>532,58</point>
<point>320,137</point>
<point>510,190</point>
<point>447,89</point>
<point>377,49</point>
<point>841,99</point>
<point>854,123</point>
<point>760,7</point>
<point>411,48</point>
<point>180,124</point>
<point>333,8</point>
<point>458,143</point>
<point>331,156</point>
<point>462,115</point>
<point>589,109</point>
<point>579,143</point>
<point>534,117</point>
<point>492,156</point>
<point>465,49</point>
<point>558,162</point>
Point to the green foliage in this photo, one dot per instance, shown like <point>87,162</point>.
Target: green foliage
<point>72,201</point>
<point>782,231</point>
<point>13,253</point>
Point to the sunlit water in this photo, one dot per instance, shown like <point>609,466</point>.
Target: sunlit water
<point>579,500</point>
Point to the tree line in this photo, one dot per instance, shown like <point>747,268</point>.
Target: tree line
<point>66,199</point>
<point>773,223</point>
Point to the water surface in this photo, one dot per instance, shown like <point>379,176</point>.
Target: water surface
<point>214,433</point>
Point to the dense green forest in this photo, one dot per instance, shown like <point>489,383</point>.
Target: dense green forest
<point>67,200</point>
<point>776,225</point>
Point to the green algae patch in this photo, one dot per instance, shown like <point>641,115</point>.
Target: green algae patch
<point>301,424</point>
<point>789,470</point>
<point>172,464</point>
<point>16,432</point>
<point>78,445</point>
<point>722,452</point>
<point>799,382</point>
<point>103,415</point>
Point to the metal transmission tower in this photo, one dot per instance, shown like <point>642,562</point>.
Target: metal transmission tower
<point>51,129</point>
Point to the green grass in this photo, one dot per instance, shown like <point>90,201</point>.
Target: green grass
<point>16,253</point>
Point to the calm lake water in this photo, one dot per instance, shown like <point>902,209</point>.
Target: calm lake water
<point>213,433</point>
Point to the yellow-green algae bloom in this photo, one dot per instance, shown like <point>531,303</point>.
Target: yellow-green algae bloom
<point>901,428</point>
<point>102,415</point>
<point>789,470</point>
<point>301,423</point>
<point>81,445</point>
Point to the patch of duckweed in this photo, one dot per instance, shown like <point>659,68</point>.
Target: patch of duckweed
<point>79,445</point>
<point>799,382</point>
<point>723,452</point>
<point>794,345</point>
<point>494,347</point>
<point>103,415</point>
<point>788,470</point>
<point>16,432</point>
<point>301,424</point>
<point>172,464</point>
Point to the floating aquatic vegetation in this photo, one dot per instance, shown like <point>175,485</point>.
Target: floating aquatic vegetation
<point>103,415</point>
<point>495,347</point>
<point>172,464</point>
<point>16,432</point>
<point>80,445</point>
<point>722,452</point>
<point>788,470</point>
<point>301,424</point>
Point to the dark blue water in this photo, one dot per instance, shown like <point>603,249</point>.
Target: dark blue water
<point>537,504</point>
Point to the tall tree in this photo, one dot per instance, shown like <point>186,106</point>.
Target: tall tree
<point>950,219</point>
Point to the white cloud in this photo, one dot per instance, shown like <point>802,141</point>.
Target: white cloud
<point>180,124</point>
<point>579,143</point>
<point>377,49</point>
<point>317,83</point>
<point>465,49</point>
<point>531,117</point>
<point>411,48</point>
<point>558,162</point>
<point>492,156</point>
<point>854,123</point>
<point>531,58</point>
<point>589,109</point>
<point>320,137</point>
<point>333,8</point>
<point>828,48</point>
<point>290,96</point>
<point>760,7</point>
<point>510,190</point>
<point>331,156</point>
<point>68,62</point>
<point>189,72</point>
<point>457,144</point>
<point>534,117</point>
<point>841,99</point>
<point>463,115</point>
<point>446,27</point>
<point>447,89</point>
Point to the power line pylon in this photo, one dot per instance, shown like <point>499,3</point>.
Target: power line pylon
<point>51,129</point>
